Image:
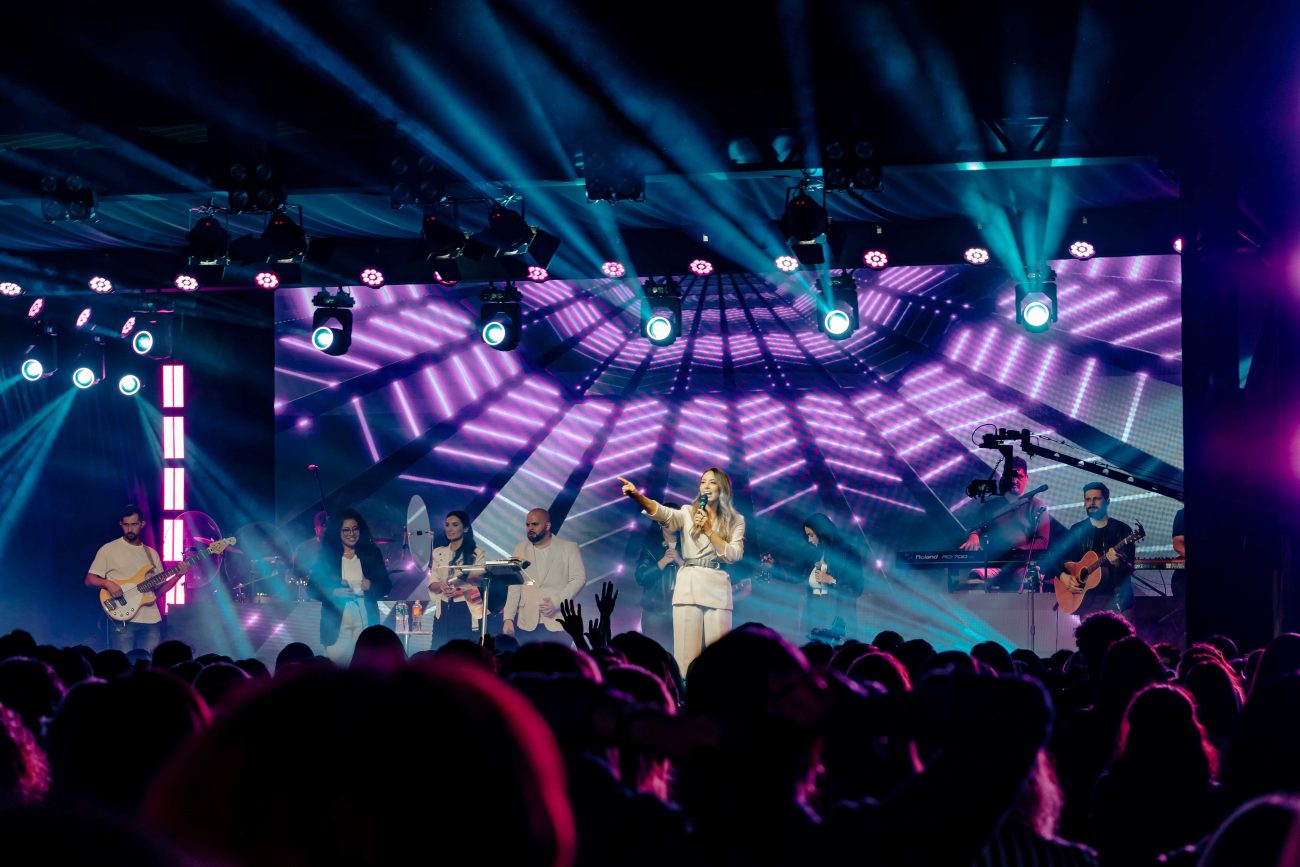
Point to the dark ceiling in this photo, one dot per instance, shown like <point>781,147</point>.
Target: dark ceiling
<point>1072,109</point>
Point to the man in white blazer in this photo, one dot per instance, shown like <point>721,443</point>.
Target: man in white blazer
<point>555,573</point>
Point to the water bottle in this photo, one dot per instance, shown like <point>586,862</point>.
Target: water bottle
<point>400,619</point>
<point>417,613</point>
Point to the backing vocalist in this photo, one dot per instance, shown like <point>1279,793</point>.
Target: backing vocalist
<point>712,535</point>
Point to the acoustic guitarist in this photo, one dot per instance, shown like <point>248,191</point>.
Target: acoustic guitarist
<point>120,559</point>
<point>1105,536</point>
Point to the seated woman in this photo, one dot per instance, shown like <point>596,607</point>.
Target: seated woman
<point>457,604</point>
<point>349,578</point>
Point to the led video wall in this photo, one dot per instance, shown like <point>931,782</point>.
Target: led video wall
<point>879,431</point>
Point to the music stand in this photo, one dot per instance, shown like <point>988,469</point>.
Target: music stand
<point>506,572</point>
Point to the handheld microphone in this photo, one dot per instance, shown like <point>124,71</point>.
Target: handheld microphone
<point>704,500</point>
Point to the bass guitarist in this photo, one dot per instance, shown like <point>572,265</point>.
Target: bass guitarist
<point>120,559</point>
<point>1102,534</point>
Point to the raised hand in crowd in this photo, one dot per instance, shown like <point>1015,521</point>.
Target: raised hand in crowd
<point>571,620</point>
<point>596,634</point>
<point>605,601</point>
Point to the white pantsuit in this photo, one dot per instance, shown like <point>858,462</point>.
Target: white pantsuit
<point>702,597</point>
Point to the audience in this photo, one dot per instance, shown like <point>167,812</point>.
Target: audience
<point>889,753</point>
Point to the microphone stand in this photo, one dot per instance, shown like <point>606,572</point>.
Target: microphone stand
<point>1030,581</point>
<point>315,471</point>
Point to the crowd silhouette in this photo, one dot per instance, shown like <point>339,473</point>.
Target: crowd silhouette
<point>891,752</point>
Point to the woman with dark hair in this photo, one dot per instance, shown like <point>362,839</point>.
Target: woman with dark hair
<point>835,580</point>
<point>457,605</point>
<point>656,574</point>
<point>713,535</point>
<point>1158,793</point>
<point>349,578</point>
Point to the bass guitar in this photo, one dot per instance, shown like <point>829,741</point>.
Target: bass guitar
<point>139,589</point>
<point>1085,574</point>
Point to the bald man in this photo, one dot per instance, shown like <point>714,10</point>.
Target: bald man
<point>555,573</point>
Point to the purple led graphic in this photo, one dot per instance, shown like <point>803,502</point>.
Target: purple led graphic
<point>1043,369</point>
<point>439,393</point>
<point>538,274</point>
<point>787,500</point>
<point>893,502</point>
<point>938,470</point>
<point>412,425</point>
<point>442,483</point>
<point>1133,406</point>
<point>918,445</point>
<point>1088,368</point>
<point>1167,325</point>
<point>1012,356</point>
<point>1122,313</point>
<point>365,429</point>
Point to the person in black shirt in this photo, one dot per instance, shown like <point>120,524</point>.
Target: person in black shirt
<point>1101,533</point>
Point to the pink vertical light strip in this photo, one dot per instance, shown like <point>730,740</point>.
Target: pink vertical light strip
<point>174,438</point>
<point>173,386</point>
<point>174,489</point>
<point>172,543</point>
<point>173,477</point>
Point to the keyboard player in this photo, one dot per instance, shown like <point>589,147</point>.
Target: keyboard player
<point>1022,527</point>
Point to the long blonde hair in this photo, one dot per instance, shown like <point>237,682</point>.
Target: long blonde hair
<point>727,514</point>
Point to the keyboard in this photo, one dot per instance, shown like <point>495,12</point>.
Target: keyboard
<point>1156,564</point>
<point>945,559</point>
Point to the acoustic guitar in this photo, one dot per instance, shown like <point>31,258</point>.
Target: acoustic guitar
<point>1086,574</point>
<point>138,590</point>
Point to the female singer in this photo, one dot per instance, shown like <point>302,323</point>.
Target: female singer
<point>835,580</point>
<point>712,534</point>
<point>349,578</point>
<point>458,606</point>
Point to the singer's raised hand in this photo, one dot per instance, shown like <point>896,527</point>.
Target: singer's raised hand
<point>629,489</point>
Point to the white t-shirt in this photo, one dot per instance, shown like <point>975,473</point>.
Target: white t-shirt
<point>118,561</point>
<point>353,575</point>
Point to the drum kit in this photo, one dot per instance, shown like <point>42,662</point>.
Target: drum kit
<point>266,566</point>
